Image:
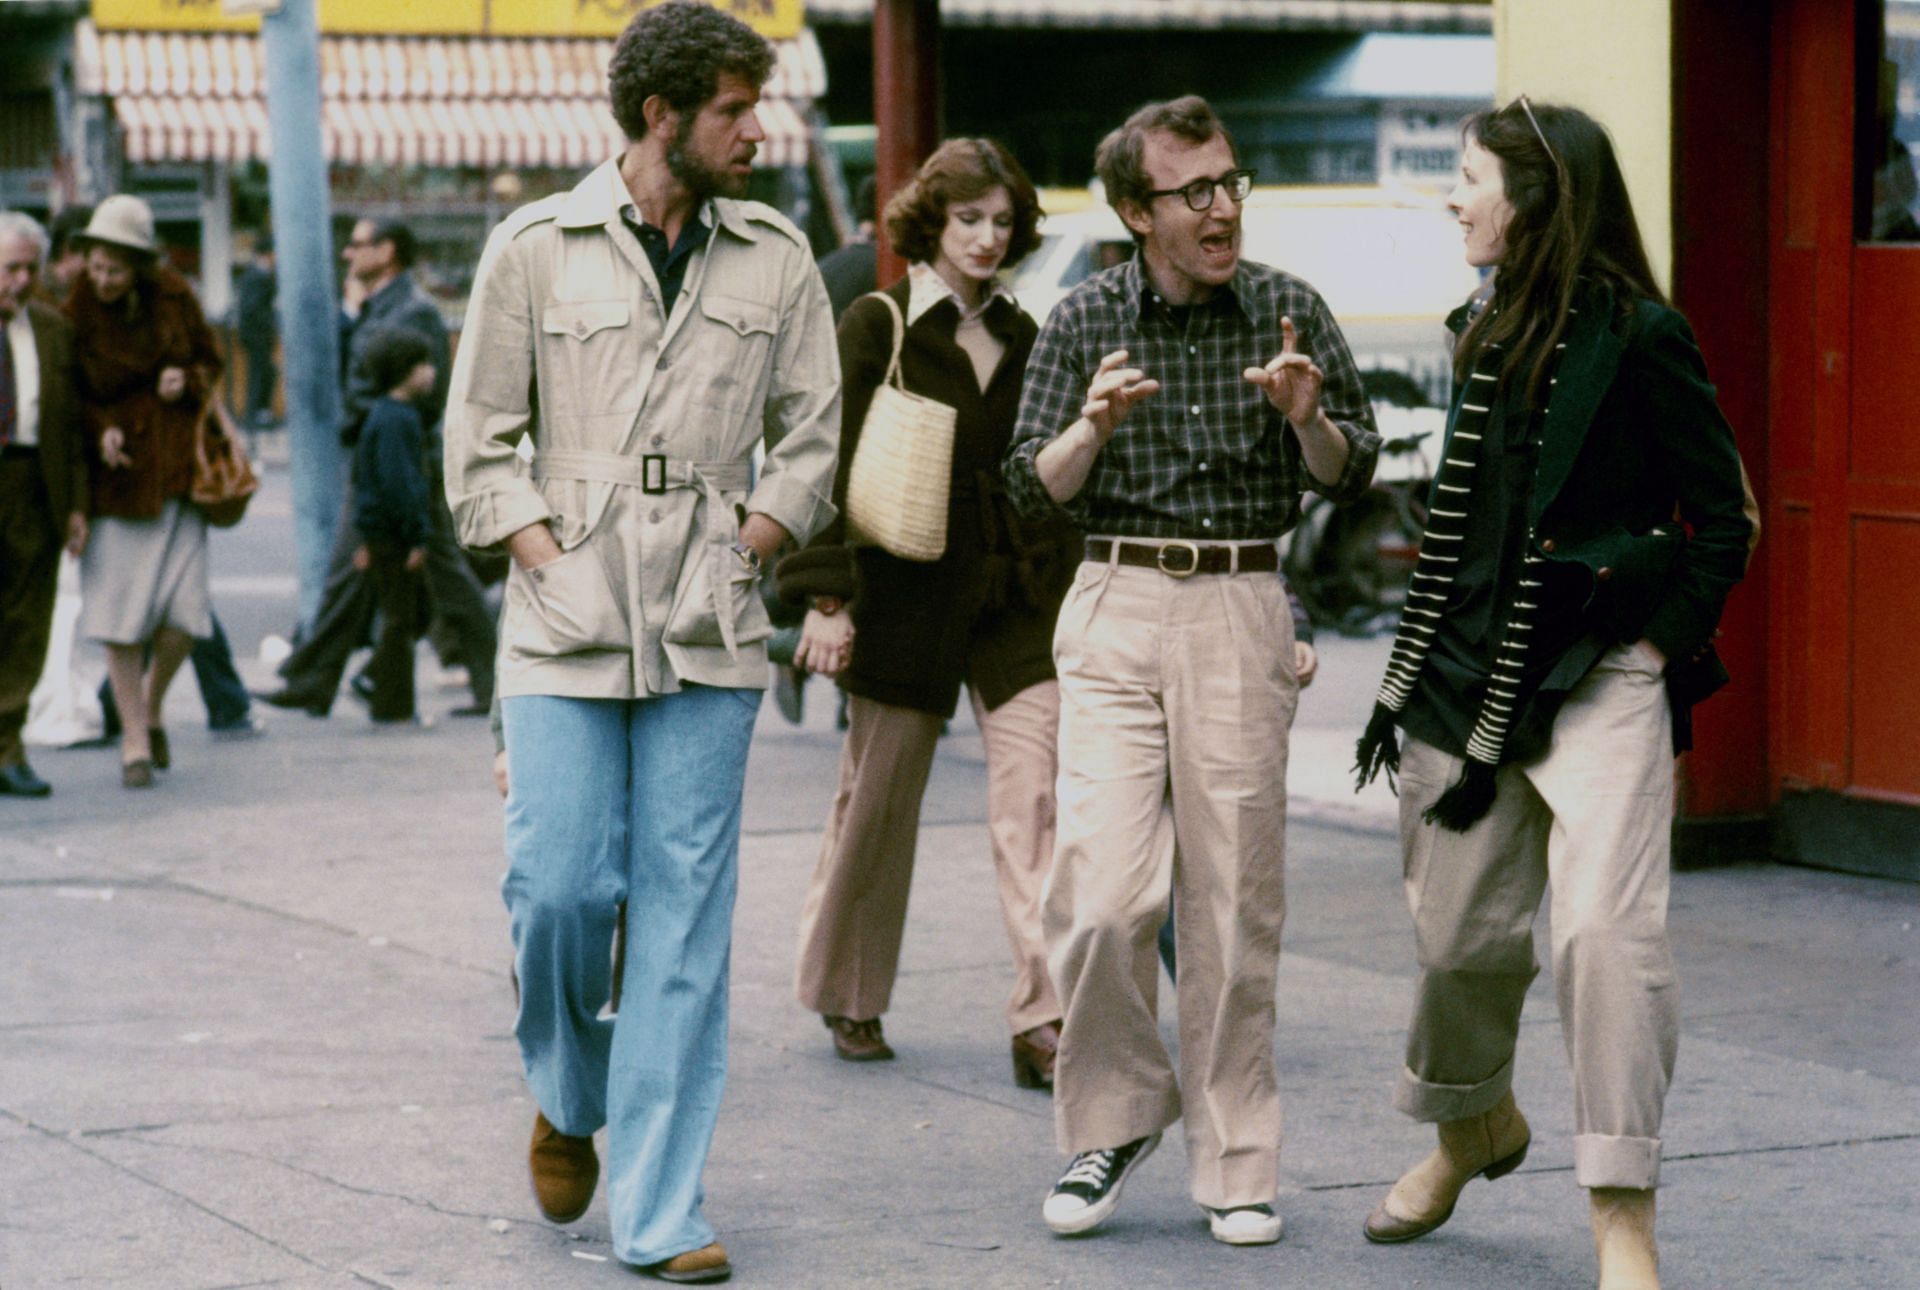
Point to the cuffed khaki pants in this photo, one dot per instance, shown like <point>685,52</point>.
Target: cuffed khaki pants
<point>1176,700</point>
<point>856,906</point>
<point>1592,816</point>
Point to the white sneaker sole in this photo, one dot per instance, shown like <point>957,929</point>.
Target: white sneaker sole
<point>1246,1231</point>
<point>1085,1220</point>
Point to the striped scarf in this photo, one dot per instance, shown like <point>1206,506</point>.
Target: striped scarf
<point>1471,796</point>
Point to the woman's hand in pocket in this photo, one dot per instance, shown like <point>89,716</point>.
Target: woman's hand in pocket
<point>826,642</point>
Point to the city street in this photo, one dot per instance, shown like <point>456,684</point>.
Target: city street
<point>255,1030</point>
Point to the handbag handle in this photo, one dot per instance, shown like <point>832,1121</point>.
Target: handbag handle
<point>893,376</point>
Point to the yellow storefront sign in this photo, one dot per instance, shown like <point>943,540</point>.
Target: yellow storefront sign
<point>774,19</point>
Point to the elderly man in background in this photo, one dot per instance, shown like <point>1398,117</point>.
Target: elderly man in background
<point>43,484</point>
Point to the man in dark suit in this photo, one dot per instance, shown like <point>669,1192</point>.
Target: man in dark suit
<point>43,484</point>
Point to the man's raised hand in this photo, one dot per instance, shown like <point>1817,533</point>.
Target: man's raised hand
<point>1114,391</point>
<point>1291,380</point>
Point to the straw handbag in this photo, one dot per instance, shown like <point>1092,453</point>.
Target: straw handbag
<point>223,479</point>
<point>903,468</point>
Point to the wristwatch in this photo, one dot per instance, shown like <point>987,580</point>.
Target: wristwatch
<point>748,557</point>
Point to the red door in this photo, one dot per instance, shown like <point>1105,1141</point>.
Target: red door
<point>1843,476</point>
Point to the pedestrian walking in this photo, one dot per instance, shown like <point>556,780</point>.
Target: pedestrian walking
<point>257,322</point>
<point>853,270</point>
<point>644,331</point>
<point>43,484</point>
<point>1176,407</point>
<point>1556,635</point>
<point>381,292</point>
<point>390,508</point>
<point>904,635</point>
<point>146,362</point>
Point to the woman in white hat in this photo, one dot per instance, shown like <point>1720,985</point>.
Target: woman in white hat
<point>146,363</point>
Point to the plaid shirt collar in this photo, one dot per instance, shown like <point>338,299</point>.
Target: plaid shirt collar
<point>1133,283</point>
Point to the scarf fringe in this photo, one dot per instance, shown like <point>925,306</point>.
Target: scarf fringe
<point>1378,749</point>
<point>1467,801</point>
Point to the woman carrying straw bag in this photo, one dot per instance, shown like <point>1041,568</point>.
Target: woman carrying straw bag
<point>902,635</point>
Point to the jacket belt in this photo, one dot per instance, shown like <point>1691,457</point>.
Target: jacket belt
<point>1179,558</point>
<point>650,473</point>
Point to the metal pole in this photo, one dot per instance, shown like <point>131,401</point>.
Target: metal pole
<point>906,101</point>
<point>303,243</point>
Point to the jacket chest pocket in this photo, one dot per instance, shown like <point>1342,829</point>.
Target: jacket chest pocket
<point>589,345</point>
<point>735,344</point>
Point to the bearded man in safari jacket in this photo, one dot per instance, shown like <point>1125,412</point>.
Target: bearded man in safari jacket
<point>642,333</point>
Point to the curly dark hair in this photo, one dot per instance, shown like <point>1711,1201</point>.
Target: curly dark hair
<point>391,354</point>
<point>679,50</point>
<point>959,171</point>
<point>1120,159</point>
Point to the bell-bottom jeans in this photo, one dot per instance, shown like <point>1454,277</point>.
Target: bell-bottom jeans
<point>617,800</point>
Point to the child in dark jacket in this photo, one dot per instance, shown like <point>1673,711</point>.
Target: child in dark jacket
<point>390,508</point>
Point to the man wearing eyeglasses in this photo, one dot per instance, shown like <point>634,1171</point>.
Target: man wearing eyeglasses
<point>1176,407</point>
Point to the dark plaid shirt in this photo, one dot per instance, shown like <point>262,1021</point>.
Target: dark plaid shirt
<point>1208,456</point>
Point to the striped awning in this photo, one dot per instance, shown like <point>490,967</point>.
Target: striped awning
<point>402,100</point>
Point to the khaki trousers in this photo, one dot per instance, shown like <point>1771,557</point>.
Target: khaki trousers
<point>1593,817</point>
<point>856,906</point>
<point>1176,700</point>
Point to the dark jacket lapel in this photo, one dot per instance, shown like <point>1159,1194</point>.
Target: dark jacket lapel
<point>1585,373</point>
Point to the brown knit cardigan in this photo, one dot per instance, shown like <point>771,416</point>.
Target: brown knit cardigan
<point>984,612</point>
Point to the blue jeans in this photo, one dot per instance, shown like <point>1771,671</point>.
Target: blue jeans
<point>634,800</point>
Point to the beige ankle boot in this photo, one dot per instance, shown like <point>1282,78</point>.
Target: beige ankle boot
<point>1489,1145</point>
<point>1623,1238</point>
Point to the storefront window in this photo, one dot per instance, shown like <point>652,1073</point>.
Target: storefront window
<point>1889,111</point>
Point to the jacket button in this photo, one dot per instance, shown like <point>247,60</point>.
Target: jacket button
<point>1547,546</point>
<point>655,517</point>
<point>1604,574</point>
<point>580,331</point>
<point>664,363</point>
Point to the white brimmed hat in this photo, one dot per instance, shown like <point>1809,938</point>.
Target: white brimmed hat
<point>123,220</point>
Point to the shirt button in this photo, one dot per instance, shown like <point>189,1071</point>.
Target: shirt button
<point>1206,523</point>
<point>1203,465</point>
<point>1195,409</point>
<point>1193,349</point>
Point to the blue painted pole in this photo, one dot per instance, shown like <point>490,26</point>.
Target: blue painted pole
<point>309,310</point>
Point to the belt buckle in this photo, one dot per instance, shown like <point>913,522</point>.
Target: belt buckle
<point>1193,559</point>
<point>653,474</point>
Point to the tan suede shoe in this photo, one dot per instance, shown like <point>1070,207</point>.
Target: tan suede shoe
<point>1623,1238</point>
<point>1489,1145</point>
<point>695,1267</point>
<point>564,1170</point>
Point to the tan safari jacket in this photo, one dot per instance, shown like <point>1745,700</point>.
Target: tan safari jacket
<point>642,429</point>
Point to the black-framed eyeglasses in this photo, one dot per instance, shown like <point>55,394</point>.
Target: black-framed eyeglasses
<point>1198,195</point>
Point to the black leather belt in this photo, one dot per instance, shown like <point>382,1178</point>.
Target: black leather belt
<point>1178,558</point>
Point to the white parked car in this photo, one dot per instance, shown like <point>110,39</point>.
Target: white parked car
<point>1388,263</point>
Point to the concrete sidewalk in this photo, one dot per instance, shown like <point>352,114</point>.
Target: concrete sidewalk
<point>254,1030</point>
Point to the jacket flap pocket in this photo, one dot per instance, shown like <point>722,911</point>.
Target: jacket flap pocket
<point>582,318</point>
<point>744,316</point>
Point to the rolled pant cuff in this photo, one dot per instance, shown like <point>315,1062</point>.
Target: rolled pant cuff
<point>1116,1122</point>
<point>1440,1103</point>
<point>1602,1161</point>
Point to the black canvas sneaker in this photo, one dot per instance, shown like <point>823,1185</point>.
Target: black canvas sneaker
<point>1090,1189</point>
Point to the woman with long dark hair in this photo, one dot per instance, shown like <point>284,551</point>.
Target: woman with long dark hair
<point>1587,524</point>
<point>903,636</point>
<point>145,362</point>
